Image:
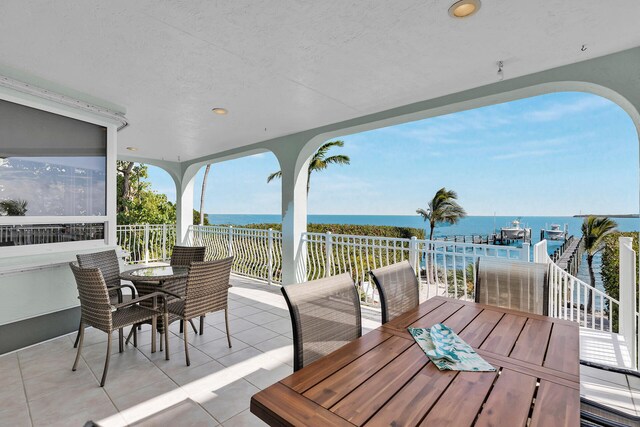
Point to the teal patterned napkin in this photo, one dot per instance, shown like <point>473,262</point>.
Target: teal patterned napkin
<point>447,351</point>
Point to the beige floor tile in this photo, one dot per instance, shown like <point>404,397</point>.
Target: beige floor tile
<point>60,381</point>
<point>265,377</point>
<point>14,415</point>
<point>262,318</point>
<point>240,356</point>
<point>229,400</point>
<point>220,347</point>
<point>236,325</point>
<point>280,311</point>
<point>12,393</point>
<point>281,326</point>
<point>601,374</point>
<point>245,311</point>
<point>184,414</point>
<point>607,394</point>
<point>55,362</point>
<point>178,362</point>
<point>279,348</point>
<point>192,374</point>
<point>244,419</point>
<point>255,335</point>
<point>69,407</point>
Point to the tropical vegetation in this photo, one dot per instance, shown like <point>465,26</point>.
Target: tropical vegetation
<point>319,161</point>
<point>442,208</point>
<point>13,207</point>
<point>594,231</point>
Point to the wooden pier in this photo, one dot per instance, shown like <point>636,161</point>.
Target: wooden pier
<point>569,255</point>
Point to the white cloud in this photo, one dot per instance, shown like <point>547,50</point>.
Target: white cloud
<point>558,111</point>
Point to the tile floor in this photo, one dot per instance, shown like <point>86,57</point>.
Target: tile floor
<point>38,388</point>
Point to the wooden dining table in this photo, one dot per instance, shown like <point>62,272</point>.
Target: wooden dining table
<point>385,379</point>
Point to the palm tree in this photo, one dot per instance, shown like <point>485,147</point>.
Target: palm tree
<point>202,194</point>
<point>594,230</point>
<point>320,161</point>
<point>442,208</point>
<point>14,207</point>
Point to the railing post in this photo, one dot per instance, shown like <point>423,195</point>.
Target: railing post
<point>524,254</point>
<point>164,242</point>
<point>328,253</point>
<point>413,253</point>
<point>627,280</point>
<point>146,243</point>
<point>270,255</point>
<point>540,252</point>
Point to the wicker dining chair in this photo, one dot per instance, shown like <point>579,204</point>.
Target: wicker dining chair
<point>207,291</point>
<point>398,288</point>
<point>325,315</point>
<point>98,311</point>
<point>518,285</point>
<point>183,256</point>
<point>107,262</point>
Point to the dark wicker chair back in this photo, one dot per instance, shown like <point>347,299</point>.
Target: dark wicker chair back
<point>398,289</point>
<point>325,315</point>
<point>207,287</point>
<point>517,285</point>
<point>106,261</point>
<point>185,255</point>
<point>95,304</point>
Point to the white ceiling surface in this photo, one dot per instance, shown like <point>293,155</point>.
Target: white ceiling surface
<point>287,65</point>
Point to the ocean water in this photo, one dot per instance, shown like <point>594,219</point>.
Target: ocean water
<point>467,226</point>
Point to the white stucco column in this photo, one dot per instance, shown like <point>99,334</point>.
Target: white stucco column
<point>184,204</point>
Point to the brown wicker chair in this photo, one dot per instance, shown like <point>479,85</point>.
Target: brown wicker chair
<point>518,285</point>
<point>184,256</point>
<point>107,262</point>
<point>325,315</point>
<point>207,291</point>
<point>398,289</point>
<point>97,311</point>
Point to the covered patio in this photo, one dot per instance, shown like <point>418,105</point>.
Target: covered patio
<point>182,85</point>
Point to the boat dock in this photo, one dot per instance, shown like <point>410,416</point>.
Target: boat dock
<point>569,255</point>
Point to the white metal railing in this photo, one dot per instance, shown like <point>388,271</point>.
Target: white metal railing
<point>147,242</point>
<point>257,253</point>
<point>572,299</point>
<point>35,234</point>
<point>443,267</point>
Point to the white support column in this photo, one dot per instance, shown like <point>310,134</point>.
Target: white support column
<point>627,281</point>
<point>184,206</point>
<point>294,223</point>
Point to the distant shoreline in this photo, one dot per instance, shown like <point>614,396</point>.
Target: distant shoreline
<point>609,216</point>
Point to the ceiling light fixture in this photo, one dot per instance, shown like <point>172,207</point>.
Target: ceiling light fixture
<point>132,148</point>
<point>464,8</point>
<point>219,111</point>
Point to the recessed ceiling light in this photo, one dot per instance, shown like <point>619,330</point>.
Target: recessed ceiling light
<point>220,111</point>
<point>132,148</point>
<point>464,8</point>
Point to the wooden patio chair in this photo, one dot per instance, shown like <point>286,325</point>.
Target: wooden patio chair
<point>518,285</point>
<point>107,262</point>
<point>325,315</point>
<point>207,291</point>
<point>98,311</point>
<point>398,288</point>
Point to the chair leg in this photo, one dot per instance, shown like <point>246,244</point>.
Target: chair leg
<point>154,332</point>
<point>195,331</point>
<point>226,321</point>
<point>161,340</point>
<point>181,327</point>
<point>75,345</point>
<point>106,362</point>
<point>79,340</point>
<point>120,340</point>
<point>135,336</point>
<point>133,328</point>
<point>166,336</point>
<point>186,343</point>
<point>201,325</point>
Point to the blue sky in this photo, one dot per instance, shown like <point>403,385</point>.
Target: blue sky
<point>556,154</point>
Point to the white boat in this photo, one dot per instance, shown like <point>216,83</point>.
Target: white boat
<point>513,231</point>
<point>555,232</point>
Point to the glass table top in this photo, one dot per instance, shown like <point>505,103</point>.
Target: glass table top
<point>160,271</point>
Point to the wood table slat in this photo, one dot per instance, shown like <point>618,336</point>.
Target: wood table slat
<point>415,399</point>
<point>556,406</point>
<point>461,318</point>
<point>372,394</point>
<point>504,335</point>
<point>404,320</point>
<point>438,315</point>
<point>479,329</point>
<point>510,400</point>
<point>532,343</point>
<point>304,379</point>
<point>281,406</point>
<point>333,388</point>
<point>461,401</point>
<point>564,341</point>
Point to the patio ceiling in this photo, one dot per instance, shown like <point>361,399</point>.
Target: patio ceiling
<point>287,66</point>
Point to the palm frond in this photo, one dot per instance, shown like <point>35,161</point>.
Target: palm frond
<point>274,175</point>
